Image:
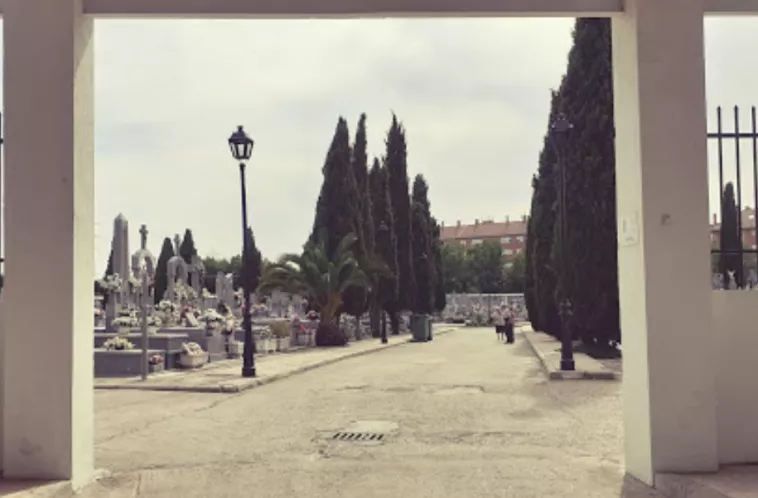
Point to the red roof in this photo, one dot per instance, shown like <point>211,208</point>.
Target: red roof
<point>483,230</point>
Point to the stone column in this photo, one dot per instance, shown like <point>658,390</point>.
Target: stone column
<point>48,87</point>
<point>664,246</point>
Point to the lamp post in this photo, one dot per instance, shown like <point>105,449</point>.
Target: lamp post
<point>242,148</point>
<point>559,131</point>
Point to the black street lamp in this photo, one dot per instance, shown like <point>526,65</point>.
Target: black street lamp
<point>559,131</point>
<point>242,148</point>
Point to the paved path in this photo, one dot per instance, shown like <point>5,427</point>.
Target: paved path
<point>475,418</point>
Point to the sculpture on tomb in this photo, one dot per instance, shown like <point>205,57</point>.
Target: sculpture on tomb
<point>143,259</point>
<point>176,270</point>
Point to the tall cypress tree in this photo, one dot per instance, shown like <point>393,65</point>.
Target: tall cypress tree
<point>161,269</point>
<point>397,169</point>
<point>588,156</point>
<point>187,247</point>
<point>729,260</point>
<point>386,243</point>
<point>422,302</point>
<point>109,267</point>
<point>356,298</point>
<point>440,297</point>
<point>336,207</point>
<point>542,221</point>
<point>360,173</point>
<point>529,286</point>
<point>251,266</point>
<point>187,250</point>
<point>423,258</point>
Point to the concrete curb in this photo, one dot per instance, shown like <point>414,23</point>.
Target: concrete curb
<point>260,381</point>
<point>554,372</point>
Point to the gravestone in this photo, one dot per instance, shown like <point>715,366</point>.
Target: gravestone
<point>143,258</point>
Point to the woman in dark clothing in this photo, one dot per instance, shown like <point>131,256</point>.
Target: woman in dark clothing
<point>509,323</point>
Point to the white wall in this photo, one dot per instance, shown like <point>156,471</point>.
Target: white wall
<point>735,329</point>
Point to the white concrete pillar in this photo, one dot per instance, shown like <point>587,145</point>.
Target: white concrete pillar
<point>47,408</point>
<point>664,246</point>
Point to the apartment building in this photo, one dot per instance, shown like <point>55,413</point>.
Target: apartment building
<point>510,234</point>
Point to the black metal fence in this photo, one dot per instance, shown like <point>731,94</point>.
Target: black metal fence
<point>736,267</point>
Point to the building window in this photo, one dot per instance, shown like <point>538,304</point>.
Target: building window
<point>505,240</point>
<point>507,252</point>
<point>520,238</point>
<point>476,242</point>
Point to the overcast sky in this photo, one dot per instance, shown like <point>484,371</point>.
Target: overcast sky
<point>473,95</point>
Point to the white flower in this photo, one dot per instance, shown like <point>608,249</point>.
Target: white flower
<point>192,348</point>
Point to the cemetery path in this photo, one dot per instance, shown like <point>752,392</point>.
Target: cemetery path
<point>463,415</point>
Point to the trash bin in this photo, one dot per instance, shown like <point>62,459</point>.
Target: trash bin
<point>418,328</point>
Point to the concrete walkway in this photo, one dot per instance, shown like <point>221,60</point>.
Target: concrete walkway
<point>462,416</point>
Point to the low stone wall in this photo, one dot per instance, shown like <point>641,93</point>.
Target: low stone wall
<point>170,345</point>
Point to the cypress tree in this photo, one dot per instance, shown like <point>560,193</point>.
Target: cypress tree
<point>187,247</point>
<point>422,302</point>
<point>423,259</point>
<point>336,207</point>
<point>386,244</point>
<point>397,169</point>
<point>109,267</point>
<point>360,173</point>
<point>187,250</point>
<point>161,269</point>
<point>440,296</point>
<point>588,156</point>
<point>729,237</point>
<point>542,221</point>
<point>529,296</point>
<point>356,298</point>
<point>251,267</point>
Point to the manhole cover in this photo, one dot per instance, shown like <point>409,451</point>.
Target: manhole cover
<point>358,436</point>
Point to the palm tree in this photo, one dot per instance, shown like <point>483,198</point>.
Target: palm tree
<point>321,280</point>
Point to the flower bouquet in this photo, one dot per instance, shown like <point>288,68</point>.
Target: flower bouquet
<point>192,355</point>
<point>155,363</point>
<point>153,323</point>
<point>118,344</point>
<point>124,324</point>
<point>213,320</point>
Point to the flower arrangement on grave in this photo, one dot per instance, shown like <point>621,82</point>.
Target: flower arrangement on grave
<point>118,344</point>
<point>155,359</point>
<point>192,349</point>
<point>166,306</point>
<point>212,318</point>
<point>192,355</point>
<point>111,283</point>
<point>125,320</point>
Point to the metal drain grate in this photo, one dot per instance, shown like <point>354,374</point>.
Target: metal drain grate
<point>357,436</point>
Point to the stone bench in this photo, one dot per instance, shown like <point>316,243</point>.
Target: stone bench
<point>120,363</point>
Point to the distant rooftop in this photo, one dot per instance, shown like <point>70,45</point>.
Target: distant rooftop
<point>483,229</point>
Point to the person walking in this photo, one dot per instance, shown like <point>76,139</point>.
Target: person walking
<point>509,319</point>
<point>499,320</point>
